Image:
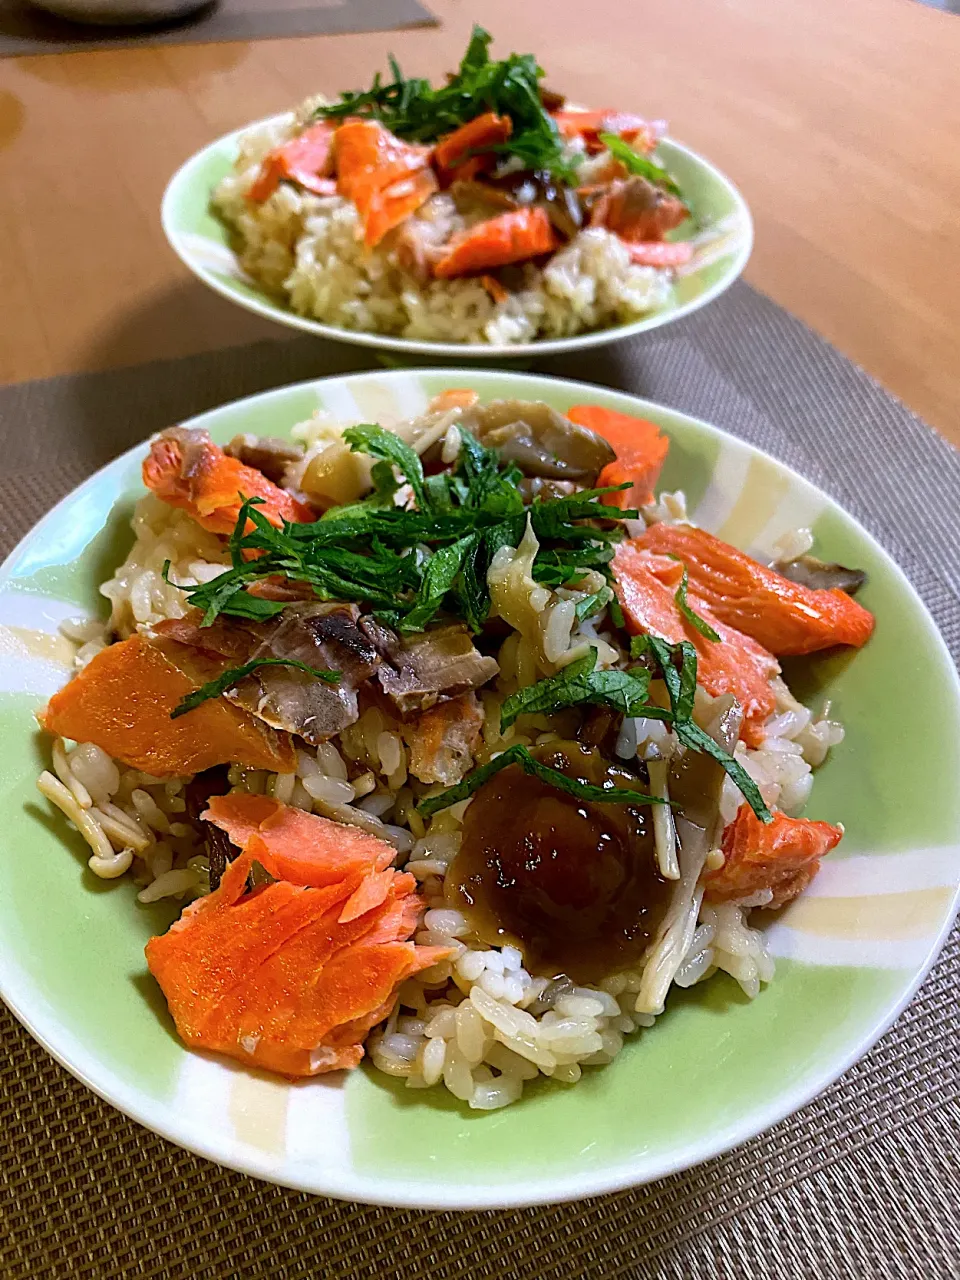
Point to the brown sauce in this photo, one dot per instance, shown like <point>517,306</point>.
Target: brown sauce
<point>574,884</point>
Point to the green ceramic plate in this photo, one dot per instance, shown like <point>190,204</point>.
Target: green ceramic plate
<point>715,1069</point>
<point>724,238</point>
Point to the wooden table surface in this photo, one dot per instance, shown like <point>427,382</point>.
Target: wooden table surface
<point>840,122</point>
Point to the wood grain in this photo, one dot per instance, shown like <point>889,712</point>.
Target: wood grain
<point>838,121</point>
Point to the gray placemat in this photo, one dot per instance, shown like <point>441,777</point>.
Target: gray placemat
<point>26,30</point>
<point>863,1183</point>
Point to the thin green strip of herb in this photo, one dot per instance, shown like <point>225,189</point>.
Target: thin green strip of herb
<point>640,165</point>
<point>698,623</point>
<point>593,604</point>
<point>577,683</point>
<point>681,681</point>
<point>681,689</point>
<point>386,445</point>
<point>225,681</point>
<point>553,777</point>
<point>439,577</point>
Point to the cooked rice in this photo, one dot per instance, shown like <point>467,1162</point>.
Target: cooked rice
<point>479,1022</point>
<point>137,591</point>
<point>308,249</point>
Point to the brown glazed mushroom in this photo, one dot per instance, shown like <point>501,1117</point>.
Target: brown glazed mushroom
<point>540,440</point>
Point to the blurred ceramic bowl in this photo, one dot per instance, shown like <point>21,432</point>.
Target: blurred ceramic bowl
<point>125,11</point>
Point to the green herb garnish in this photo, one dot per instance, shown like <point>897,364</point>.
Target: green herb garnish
<point>443,569</point>
<point>681,683</point>
<point>409,564</point>
<point>640,165</point>
<point>225,681</point>
<point>577,683</point>
<point>593,604</point>
<point>413,109</point>
<point>388,447</point>
<point>698,623</point>
<point>626,691</point>
<point>557,568</point>
<point>553,777</point>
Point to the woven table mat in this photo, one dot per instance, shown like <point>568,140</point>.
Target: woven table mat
<point>25,30</point>
<point>863,1183</point>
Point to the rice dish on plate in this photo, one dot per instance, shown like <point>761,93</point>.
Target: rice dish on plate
<point>483,211</point>
<point>459,747</point>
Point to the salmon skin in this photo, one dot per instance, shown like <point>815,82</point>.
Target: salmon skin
<point>783,616</point>
<point>660,253</point>
<point>292,976</point>
<point>782,855</point>
<point>646,587</point>
<point>636,210</point>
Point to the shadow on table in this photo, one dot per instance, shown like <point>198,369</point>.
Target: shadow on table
<point>107,412</point>
<point>28,30</point>
<point>603,366</point>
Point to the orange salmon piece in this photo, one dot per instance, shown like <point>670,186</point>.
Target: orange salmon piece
<point>497,242</point>
<point>640,449</point>
<point>660,253</point>
<point>646,586</point>
<point>394,204</point>
<point>385,177</point>
<point>782,855</point>
<point>306,160</point>
<point>453,398</point>
<point>635,212</point>
<point>453,150</point>
<point>588,125</point>
<point>305,848</point>
<point>199,478</point>
<point>291,977</point>
<point>324,977</point>
<point>122,700</point>
<point>205,956</point>
<point>783,616</point>
<point>354,992</point>
<point>495,289</point>
<point>443,738</point>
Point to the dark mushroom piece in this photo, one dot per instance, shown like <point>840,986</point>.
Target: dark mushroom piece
<point>471,194</point>
<point>268,454</point>
<point>550,100</point>
<point>539,187</point>
<point>808,571</point>
<point>538,487</point>
<point>696,784</point>
<point>219,848</point>
<point>541,441</point>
